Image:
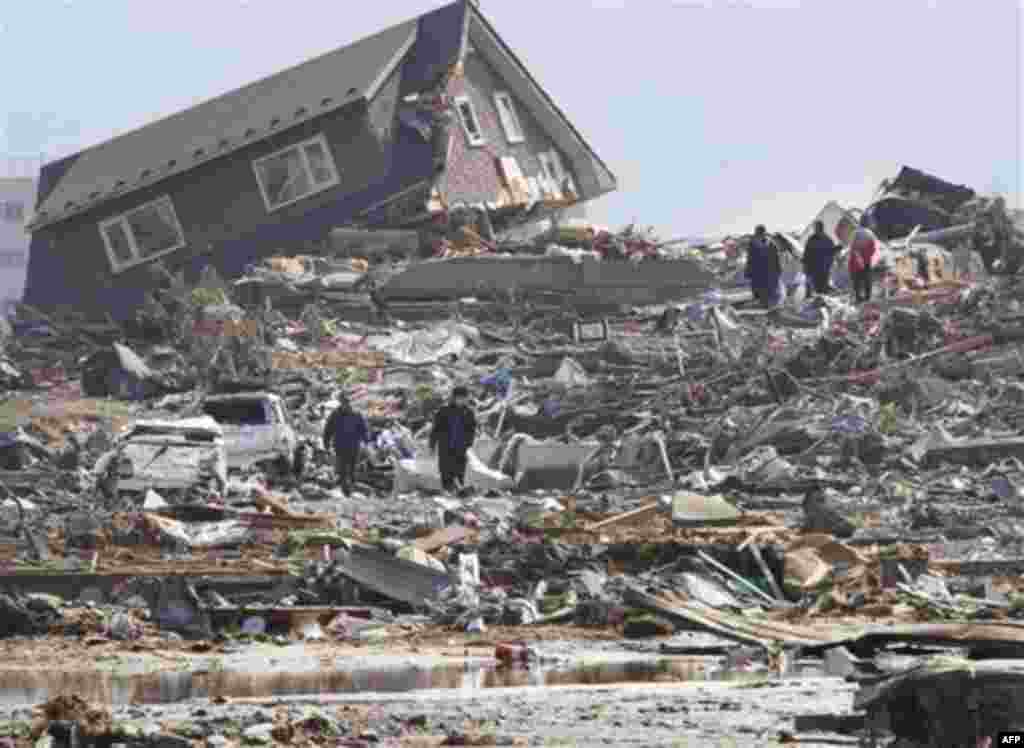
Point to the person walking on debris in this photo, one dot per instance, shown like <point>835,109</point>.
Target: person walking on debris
<point>347,432</point>
<point>453,434</point>
<point>764,268</point>
<point>819,255</point>
<point>863,251</point>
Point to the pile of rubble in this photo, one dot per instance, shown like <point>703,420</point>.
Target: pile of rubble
<point>820,476</point>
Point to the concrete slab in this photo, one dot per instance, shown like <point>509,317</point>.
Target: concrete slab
<point>648,282</point>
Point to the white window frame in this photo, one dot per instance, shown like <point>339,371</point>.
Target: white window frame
<point>503,116</point>
<point>315,188</point>
<point>549,170</point>
<point>119,265</point>
<point>561,174</point>
<point>474,140</point>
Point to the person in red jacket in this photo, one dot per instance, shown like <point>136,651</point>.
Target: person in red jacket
<point>863,252</point>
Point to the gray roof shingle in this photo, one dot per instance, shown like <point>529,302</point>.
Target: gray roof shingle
<point>216,127</point>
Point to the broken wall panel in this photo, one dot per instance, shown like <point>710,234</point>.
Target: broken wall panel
<point>395,578</point>
<point>591,176</point>
<point>473,176</point>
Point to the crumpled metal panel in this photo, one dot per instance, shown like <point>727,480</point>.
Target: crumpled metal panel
<point>392,577</point>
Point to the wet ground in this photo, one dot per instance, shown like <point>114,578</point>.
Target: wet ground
<point>697,715</point>
<point>579,694</point>
<point>35,686</point>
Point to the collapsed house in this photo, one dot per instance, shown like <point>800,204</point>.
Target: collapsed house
<point>914,198</point>
<point>388,131</point>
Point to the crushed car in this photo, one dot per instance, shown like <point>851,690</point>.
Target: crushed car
<point>257,431</point>
<point>165,456</point>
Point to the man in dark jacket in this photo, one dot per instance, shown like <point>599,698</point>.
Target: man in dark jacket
<point>764,268</point>
<point>819,254</point>
<point>453,434</point>
<point>346,431</point>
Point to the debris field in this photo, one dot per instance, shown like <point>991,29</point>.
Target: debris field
<point>813,506</point>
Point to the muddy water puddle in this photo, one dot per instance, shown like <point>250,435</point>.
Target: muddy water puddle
<point>33,687</point>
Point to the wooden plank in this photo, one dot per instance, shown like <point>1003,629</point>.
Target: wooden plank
<point>441,538</point>
<point>645,512</point>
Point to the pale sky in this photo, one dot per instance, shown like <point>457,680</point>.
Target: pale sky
<point>714,114</point>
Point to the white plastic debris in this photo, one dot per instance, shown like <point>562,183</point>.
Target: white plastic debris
<point>154,501</point>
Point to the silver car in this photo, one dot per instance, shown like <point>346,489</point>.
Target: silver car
<point>166,456</point>
<point>256,430</point>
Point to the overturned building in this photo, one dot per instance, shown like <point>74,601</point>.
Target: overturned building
<point>431,113</point>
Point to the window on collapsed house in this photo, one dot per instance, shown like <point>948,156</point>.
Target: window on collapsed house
<point>509,117</point>
<point>470,122</point>
<point>548,174</point>
<point>295,172</point>
<point>554,170</point>
<point>141,234</point>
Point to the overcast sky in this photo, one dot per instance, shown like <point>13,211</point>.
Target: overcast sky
<point>714,114</point>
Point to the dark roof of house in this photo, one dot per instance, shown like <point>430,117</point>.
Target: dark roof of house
<point>217,127</point>
<point>221,125</point>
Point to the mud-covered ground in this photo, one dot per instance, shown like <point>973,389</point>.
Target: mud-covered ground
<point>579,693</point>
<point>691,714</point>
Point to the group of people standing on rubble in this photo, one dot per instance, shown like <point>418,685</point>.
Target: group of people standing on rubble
<point>454,431</point>
<point>992,237</point>
<point>764,263</point>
